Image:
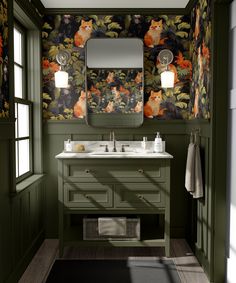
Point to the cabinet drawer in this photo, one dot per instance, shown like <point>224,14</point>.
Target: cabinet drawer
<point>92,195</point>
<point>115,169</point>
<point>140,195</point>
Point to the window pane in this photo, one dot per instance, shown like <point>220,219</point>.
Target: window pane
<point>16,122</point>
<point>24,163</point>
<point>18,81</point>
<point>17,161</point>
<point>17,46</point>
<point>23,120</point>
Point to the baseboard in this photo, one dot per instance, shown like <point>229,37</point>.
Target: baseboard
<point>26,258</point>
<point>204,262</point>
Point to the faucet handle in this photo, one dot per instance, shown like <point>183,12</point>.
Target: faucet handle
<point>106,147</point>
<point>123,147</point>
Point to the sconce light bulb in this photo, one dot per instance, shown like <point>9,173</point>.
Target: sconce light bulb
<point>61,79</point>
<point>167,79</point>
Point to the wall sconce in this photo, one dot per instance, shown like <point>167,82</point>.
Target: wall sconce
<point>61,77</point>
<point>167,77</point>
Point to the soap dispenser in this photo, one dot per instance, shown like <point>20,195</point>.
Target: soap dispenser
<point>144,143</point>
<point>68,146</point>
<point>157,143</point>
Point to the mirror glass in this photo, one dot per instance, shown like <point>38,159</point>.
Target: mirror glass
<point>114,82</point>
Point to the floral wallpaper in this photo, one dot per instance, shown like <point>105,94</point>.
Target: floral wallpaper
<point>158,32</point>
<point>4,93</point>
<point>200,51</point>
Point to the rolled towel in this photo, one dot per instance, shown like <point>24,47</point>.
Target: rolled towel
<point>112,226</point>
<point>198,184</point>
<point>190,169</point>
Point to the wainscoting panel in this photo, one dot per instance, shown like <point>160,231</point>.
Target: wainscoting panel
<point>21,215</point>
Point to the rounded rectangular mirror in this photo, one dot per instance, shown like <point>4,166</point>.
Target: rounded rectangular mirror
<point>114,82</point>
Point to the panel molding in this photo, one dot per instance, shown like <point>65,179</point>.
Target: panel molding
<point>115,11</point>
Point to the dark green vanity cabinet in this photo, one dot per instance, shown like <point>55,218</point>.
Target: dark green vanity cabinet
<point>114,186</point>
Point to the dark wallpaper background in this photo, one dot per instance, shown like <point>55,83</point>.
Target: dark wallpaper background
<point>189,98</point>
<point>4,92</point>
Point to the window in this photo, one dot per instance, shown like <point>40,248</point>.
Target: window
<point>23,107</point>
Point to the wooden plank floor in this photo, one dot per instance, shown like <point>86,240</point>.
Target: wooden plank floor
<point>186,263</point>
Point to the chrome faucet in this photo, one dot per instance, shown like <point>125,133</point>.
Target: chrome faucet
<point>113,139</point>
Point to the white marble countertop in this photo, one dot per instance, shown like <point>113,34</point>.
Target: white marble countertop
<point>133,155</point>
<point>93,150</point>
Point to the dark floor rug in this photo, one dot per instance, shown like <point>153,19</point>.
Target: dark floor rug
<point>113,271</point>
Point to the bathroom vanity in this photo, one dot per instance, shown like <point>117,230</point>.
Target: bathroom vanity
<point>120,184</point>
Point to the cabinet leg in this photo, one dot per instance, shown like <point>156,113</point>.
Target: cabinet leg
<point>61,249</point>
<point>167,250</point>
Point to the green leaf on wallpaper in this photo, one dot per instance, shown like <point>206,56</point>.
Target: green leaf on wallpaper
<point>78,65</point>
<point>203,4</point>
<point>68,40</point>
<point>184,25</point>
<point>44,34</point>
<point>181,105</point>
<point>112,34</point>
<point>177,89</point>
<point>128,19</point>
<point>46,26</point>
<point>95,17</point>
<point>114,25</point>
<point>182,96</point>
<point>46,96</point>
<point>182,34</point>
<point>79,78</point>
<point>178,19</point>
<point>149,78</point>
<point>203,100</point>
<point>107,19</point>
<point>204,15</point>
<point>203,91</point>
<point>46,71</point>
<point>68,111</point>
<point>60,117</point>
<point>45,105</point>
<point>53,51</point>
<point>164,17</point>
<point>182,72</point>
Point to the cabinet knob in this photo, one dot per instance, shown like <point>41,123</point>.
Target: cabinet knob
<point>87,171</point>
<point>140,197</point>
<point>87,196</point>
<point>141,170</point>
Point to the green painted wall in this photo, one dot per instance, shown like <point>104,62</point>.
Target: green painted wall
<point>21,215</point>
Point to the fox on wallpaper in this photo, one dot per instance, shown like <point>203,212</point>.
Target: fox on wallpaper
<point>84,33</point>
<point>153,35</point>
<point>80,106</point>
<point>152,106</point>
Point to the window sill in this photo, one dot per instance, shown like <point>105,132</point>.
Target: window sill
<point>28,182</point>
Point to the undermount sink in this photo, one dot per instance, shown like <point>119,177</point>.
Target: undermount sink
<point>119,153</point>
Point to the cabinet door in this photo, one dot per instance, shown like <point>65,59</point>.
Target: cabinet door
<point>140,195</point>
<point>86,195</point>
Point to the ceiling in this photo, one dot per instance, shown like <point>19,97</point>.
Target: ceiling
<point>115,4</point>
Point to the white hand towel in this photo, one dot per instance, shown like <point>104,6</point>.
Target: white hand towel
<point>198,184</point>
<point>190,168</point>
